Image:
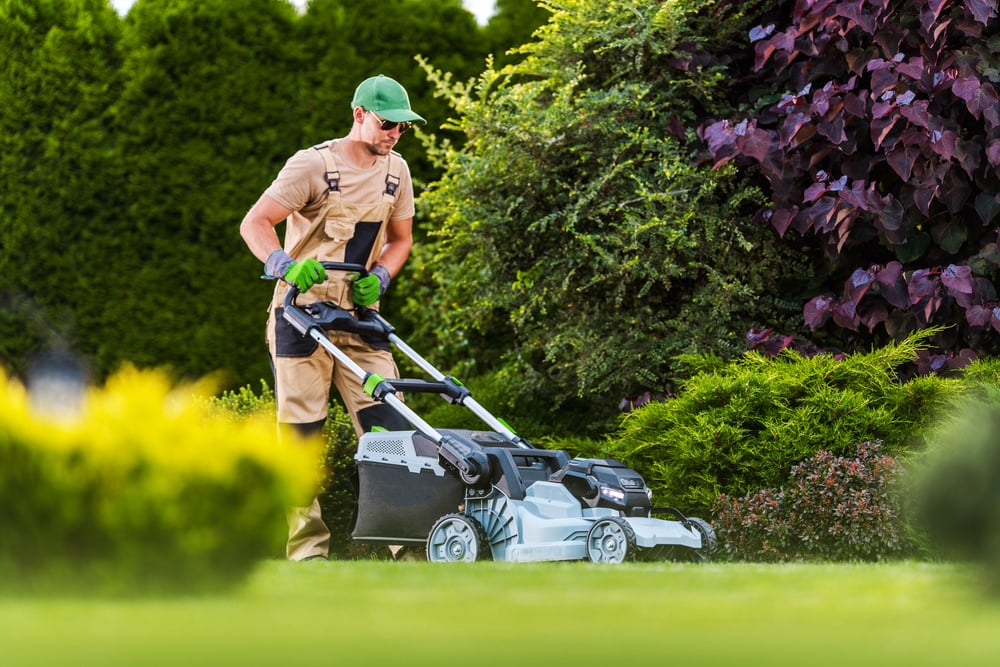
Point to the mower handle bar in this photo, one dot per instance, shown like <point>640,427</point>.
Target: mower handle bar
<point>360,269</point>
<point>371,323</point>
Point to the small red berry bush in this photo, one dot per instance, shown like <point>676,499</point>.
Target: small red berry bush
<point>833,508</point>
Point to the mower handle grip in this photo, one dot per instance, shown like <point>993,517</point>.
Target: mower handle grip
<point>360,269</point>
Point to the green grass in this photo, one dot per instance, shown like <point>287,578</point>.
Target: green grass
<point>484,614</point>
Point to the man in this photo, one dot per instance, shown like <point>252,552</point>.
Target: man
<point>346,200</point>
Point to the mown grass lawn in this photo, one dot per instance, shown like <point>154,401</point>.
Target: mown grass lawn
<point>384,613</point>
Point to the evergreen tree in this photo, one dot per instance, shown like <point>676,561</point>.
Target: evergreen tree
<point>208,114</point>
<point>58,180</point>
<point>512,25</point>
<point>345,42</point>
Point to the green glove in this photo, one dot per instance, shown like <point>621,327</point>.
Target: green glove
<point>366,291</point>
<point>305,274</point>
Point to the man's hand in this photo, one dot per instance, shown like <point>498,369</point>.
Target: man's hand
<point>305,274</point>
<point>302,274</point>
<point>366,291</point>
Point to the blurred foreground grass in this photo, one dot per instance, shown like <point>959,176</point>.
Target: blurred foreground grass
<point>381,613</point>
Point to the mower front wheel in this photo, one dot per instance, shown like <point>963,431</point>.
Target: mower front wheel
<point>709,542</point>
<point>611,540</point>
<point>456,538</point>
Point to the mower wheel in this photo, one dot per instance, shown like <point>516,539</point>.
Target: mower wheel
<point>456,538</point>
<point>611,540</point>
<point>709,542</point>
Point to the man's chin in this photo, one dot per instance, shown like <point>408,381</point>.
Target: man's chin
<point>379,149</point>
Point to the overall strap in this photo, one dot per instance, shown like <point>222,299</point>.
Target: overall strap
<point>332,177</point>
<point>392,177</point>
<point>332,174</point>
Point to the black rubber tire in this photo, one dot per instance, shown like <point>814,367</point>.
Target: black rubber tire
<point>456,538</point>
<point>709,542</point>
<point>611,540</point>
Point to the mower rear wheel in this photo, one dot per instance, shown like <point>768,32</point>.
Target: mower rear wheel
<point>611,540</point>
<point>456,538</point>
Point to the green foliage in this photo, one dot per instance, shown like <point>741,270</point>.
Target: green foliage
<point>344,42</point>
<point>59,185</point>
<point>739,429</point>
<point>831,508</point>
<point>529,413</point>
<point>336,492</point>
<point>147,489</point>
<point>573,233</point>
<point>512,26</point>
<point>200,135</point>
<point>131,147</point>
<point>957,494</point>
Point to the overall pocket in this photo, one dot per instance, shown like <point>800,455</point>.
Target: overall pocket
<point>288,342</point>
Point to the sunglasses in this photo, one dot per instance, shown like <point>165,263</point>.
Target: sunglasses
<point>386,125</point>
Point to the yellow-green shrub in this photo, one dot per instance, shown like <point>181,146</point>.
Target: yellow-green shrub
<point>148,488</point>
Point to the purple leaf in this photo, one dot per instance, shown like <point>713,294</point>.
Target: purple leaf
<point>944,143</point>
<point>873,313</point>
<point>978,96</point>
<point>892,286</point>
<point>883,80</point>
<point>845,315</point>
<point>917,114</point>
<point>796,129</point>
<point>913,68</point>
<point>817,311</point>
<point>758,33</point>
<point>782,218</point>
<point>890,220</point>
<point>957,278</point>
<point>982,10</point>
<point>854,105</point>
<point>923,283</point>
<point>833,129</point>
<point>923,197</point>
<point>821,214</point>
<point>858,284</point>
<point>993,152</point>
<point>902,159</point>
<point>930,13</point>
<point>755,144</point>
<point>881,128</point>
<point>978,316</point>
<point>814,192</point>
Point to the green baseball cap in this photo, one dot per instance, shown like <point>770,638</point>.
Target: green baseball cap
<point>385,97</point>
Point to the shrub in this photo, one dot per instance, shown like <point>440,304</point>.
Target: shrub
<point>337,491</point>
<point>875,125</point>
<point>957,491</point>
<point>740,427</point>
<point>573,234</point>
<point>833,508</point>
<point>147,489</point>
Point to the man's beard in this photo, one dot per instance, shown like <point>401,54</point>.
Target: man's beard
<point>377,149</point>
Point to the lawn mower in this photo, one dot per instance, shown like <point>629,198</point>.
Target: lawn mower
<point>467,495</point>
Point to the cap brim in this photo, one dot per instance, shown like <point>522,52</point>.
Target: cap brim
<point>400,116</point>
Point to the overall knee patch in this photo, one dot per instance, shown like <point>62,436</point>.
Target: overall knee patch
<point>382,416</point>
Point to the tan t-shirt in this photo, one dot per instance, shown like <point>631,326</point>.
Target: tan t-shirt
<point>301,185</point>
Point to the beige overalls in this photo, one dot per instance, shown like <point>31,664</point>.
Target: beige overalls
<point>342,232</point>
